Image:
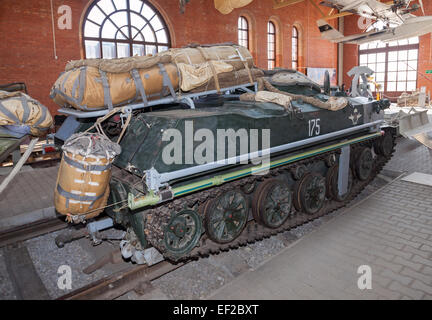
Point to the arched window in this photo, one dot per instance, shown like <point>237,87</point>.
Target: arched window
<point>295,48</point>
<point>271,45</point>
<point>243,32</point>
<point>123,28</point>
<point>395,64</point>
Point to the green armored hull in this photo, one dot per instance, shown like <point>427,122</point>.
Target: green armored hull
<point>225,172</point>
<point>143,145</point>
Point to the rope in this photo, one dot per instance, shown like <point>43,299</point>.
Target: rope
<point>69,216</point>
<point>98,124</point>
<point>215,76</point>
<point>19,165</point>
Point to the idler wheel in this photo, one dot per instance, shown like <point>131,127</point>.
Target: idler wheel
<point>333,187</point>
<point>226,216</point>
<point>364,164</point>
<point>385,145</point>
<point>272,203</point>
<point>183,232</point>
<point>310,193</point>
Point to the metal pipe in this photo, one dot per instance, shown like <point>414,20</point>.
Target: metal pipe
<point>136,106</point>
<point>169,176</point>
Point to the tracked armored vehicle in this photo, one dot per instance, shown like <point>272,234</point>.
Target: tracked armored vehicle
<point>223,171</point>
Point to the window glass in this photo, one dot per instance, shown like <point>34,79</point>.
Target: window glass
<point>108,25</point>
<point>271,45</point>
<point>243,32</point>
<point>395,63</point>
<point>295,48</point>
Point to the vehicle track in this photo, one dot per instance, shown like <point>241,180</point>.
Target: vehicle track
<point>158,218</point>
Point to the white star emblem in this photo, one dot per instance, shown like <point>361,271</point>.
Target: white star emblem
<point>355,117</point>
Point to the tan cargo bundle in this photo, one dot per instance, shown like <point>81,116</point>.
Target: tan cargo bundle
<point>21,113</point>
<point>100,84</point>
<point>82,187</point>
<point>237,56</point>
<point>96,84</point>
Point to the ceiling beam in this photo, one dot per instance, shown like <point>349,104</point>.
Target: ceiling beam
<point>337,15</point>
<point>318,8</point>
<point>277,4</point>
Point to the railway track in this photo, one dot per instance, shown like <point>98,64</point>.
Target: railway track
<point>30,231</point>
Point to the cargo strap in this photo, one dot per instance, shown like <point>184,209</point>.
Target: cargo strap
<point>139,86</point>
<point>70,196</point>
<point>41,119</point>
<point>215,76</point>
<point>62,86</point>
<point>245,63</point>
<point>9,114</point>
<point>166,80</point>
<point>69,99</point>
<point>106,87</point>
<point>83,167</point>
<point>26,109</point>
<point>81,81</point>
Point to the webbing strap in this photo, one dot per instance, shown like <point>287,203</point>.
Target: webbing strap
<point>76,197</point>
<point>81,166</point>
<point>246,65</point>
<point>215,76</point>
<point>82,82</point>
<point>106,87</point>
<point>75,88</point>
<point>166,80</point>
<point>64,81</point>
<point>26,109</point>
<point>41,119</point>
<point>72,100</point>
<point>9,114</point>
<point>139,85</point>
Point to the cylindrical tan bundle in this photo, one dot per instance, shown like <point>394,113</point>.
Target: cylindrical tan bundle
<point>233,55</point>
<point>230,79</point>
<point>82,187</point>
<point>22,114</point>
<point>83,88</point>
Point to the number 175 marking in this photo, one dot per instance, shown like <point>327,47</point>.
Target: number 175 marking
<point>314,127</point>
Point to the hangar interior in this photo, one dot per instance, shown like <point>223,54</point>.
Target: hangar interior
<point>94,92</point>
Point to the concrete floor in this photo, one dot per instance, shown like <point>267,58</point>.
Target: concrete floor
<point>29,197</point>
<point>391,232</point>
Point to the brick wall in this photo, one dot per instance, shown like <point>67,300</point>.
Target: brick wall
<point>425,51</point>
<point>27,54</point>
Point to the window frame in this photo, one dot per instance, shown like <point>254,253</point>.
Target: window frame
<point>128,40</point>
<point>386,50</point>
<point>271,60</point>
<point>240,30</point>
